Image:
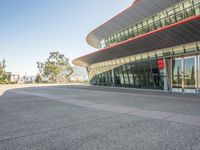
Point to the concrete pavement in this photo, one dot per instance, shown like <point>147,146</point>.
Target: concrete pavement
<point>88,118</point>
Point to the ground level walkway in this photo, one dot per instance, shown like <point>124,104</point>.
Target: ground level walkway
<point>87,118</point>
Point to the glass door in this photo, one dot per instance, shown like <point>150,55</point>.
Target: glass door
<point>199,74</point>
<point>177,79</point>
<point>189,74</point>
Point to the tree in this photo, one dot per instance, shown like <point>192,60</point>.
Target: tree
<point>55,67</point>
<point>38,79</point>
<point>4,77</point>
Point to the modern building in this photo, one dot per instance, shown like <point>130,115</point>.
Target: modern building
<point>153,44</point>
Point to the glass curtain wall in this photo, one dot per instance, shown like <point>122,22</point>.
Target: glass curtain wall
<point>189,73</point>
<point>177,74</point>
<point>184,74</point>
<point>143,74</point>
<point>148,70</point>
<point>199,73</point>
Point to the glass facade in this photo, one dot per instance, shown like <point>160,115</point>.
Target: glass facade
<point>143,74</point>
<point>176,73</point>
<point>171,69</point>
<point>198,76</point>
<point>189,73</point>
<point>185,74</point>
<point>176,13</point>
<point>149,70</point>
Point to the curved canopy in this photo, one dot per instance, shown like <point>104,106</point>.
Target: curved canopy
<point>139,10</point>
<point>186,31</point>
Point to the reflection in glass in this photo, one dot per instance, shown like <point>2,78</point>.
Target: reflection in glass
<point>130,75</point>
<point>148,74</point>
<point>199,74</point>
<point>141,74</point>
<point>135,75</point>
<point>176,73</point>
<point>156,75</point>
<point>189,73</point>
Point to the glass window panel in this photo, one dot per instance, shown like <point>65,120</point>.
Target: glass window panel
<point>118,35</point>
<point>127,60</point>
<point>135,75</point>
<point>145,29</point>
<point>199,71</point>
<point>139,25</point>
<point>162,18</point>
<point>157,21</point>
<point>167,21</point>
<point>125,75</point>
<point>197,7</point>
<point>118,61</point>
<point>189,73</point>
<point>130,74</point>
<point>152,55</point>
<point>116,77</point>
<point>131,33</point>
<point>121,76</point>
<point>122,33</point>
<point>150,20</point>
<point>167,52</point>
<point>144,23</point>
<point>135,30</point>
<point>191,47</point>
<point>148,74</point>
<point>115,36</point>
<point>156,74</point>
<point>159,53</point>
<point>171,15</point>
<point>122,60</point>
<point>150,23</point>
<point>198,46</point>
<point>176,73</point>
<point>179,13</point>
<point>132,58</point>
<point>140,30</point>
<point>141,74</point>
<point>130,29</point>
<point>187,4</point>
<point>178,50</point>
<point>144,56</point>
<point>114,62</point>
<point>126,31</point>
<point>138,57</point>
<point>188,9</point>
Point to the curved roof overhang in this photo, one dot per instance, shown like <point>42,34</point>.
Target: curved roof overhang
<point>139,10</point>
<point>183,32</point>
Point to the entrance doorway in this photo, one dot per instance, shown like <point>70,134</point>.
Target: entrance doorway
<point>199,72</point>
<point>184,75</point>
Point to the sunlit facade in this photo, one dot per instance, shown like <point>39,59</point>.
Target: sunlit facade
<point>151,45</point>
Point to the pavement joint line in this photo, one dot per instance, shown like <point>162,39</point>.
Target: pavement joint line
<point>98,91</point>
<point>146,95</point>
<point>106,107</point>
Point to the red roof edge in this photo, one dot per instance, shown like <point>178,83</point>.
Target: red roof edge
<point>133,5</point>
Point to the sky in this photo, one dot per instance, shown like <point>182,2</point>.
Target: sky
<point>31,29</point>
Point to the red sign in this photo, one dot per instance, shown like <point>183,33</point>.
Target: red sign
<point>161,64</point>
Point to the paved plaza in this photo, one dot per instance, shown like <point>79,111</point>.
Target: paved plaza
<point>72,117</point>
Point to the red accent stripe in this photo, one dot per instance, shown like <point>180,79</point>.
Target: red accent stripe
<point>144,35</point>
